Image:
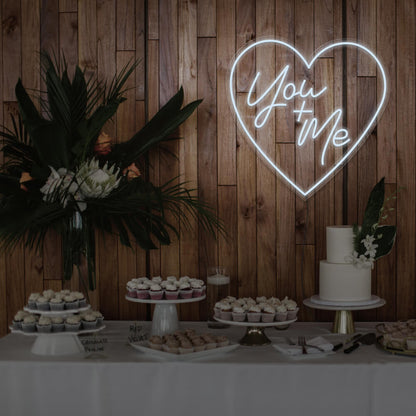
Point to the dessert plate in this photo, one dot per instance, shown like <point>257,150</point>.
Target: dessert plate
<point>56,313</point>
<point>143,347</point>
<point>373,300</point>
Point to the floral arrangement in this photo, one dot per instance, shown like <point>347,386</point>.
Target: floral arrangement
<point>372,240</point>
<point>61,171</point>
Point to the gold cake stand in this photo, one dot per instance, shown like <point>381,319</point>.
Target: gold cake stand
<point>255,335</point>
<point>343,321</point>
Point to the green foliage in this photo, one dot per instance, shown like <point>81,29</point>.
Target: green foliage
<point>62,136</point>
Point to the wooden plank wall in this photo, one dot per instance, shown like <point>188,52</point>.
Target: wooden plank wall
<point>275,239</point>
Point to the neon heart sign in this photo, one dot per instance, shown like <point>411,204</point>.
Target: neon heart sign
<point>280,93</point>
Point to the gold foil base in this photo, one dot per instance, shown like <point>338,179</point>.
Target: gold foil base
<point>254,336</point>
<point>343,323</point>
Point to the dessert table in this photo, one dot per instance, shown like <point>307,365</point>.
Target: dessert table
<point>119,380</point>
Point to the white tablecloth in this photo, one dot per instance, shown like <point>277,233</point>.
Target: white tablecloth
<point>247,381</point>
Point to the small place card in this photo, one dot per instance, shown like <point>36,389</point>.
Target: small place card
<point>94,344</point>
<point>137,333</point>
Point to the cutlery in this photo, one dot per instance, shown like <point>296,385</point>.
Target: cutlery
<point>367,339</point>
<point>302,343</point>
<point>343,344</point>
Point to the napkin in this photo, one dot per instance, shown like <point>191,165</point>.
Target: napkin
<point>296,350</point>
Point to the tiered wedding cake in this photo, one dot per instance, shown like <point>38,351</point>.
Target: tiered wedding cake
<point>339,279</point>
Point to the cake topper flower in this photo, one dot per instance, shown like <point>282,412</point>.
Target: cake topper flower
<point>373,240</point>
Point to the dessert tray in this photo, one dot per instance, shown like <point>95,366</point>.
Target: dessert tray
<point>165,316</point>
<point>255,335</point>
<point>316,299</point>
<point>57,313</point>
<point>143,346</point>
<point>392,350</point>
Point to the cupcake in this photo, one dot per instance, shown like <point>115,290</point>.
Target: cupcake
<point>238,314</point>
<point>217,310</point>
<point>89,321</point>
<point>18,320</point>
<point>29,323</point>
<point>73,323</point>
<point>48,294</point>
<point>268,314</point>
<point>185,290</point>
<point>157,279</point>
<point>254,314</point>
<point>44,325</point>
<point>42,304</point>
<point>226,311</point>
<point>261,299</point>
<point>142,291</point>
<point>292,309</point>
<point>99,316</point>
<point>197,288</point>
<point>171,279</point>
<point>281,313</point>
<point>163,284</point>
<point>71,302</point>
<point>156,292</point>
<point>79,296</point>
<point>131,289</point>
<point>184,279</point>
<point>222,341</point>
<point>171,292</point>
<point>57,304</point>
<point>32,300</point>
<point>57,324</point>
<point>155,342</point>
<point>65,292</point>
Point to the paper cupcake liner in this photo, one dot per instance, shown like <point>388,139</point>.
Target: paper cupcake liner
<point>156,295</point>
<point>239,317</point>
<point>142,294</point>
<point>253,316</point>
<point>281,316</point>
<point>29,327</point>
<point>17,325</point>
<point>42,306</point>
<point>72,305</point>
<point>89,324</point>
<point>72,327</point>
<point>58,327</point>
<point>57,306</point>
<point>185,294</point>
<point>226,315</point>
<point>267,317</point>
<point>171,295</point>
<point>44,329</point>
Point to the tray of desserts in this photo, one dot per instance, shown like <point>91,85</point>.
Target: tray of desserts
<point>398,337</point>
<point>185,345</point>
<point>261,311</point>
<point>170,290</point>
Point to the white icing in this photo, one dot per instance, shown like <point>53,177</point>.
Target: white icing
<point>339,243</point>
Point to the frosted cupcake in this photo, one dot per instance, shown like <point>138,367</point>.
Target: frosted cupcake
<point>197,288</point>
<point>29,323</point>
<point>254,314</point>
<point>79,296</point>
<point>292,309</point>
<point>48,293</point>
<point>210,341</point>
<point>89,321</point>
<point>142,291</point>
<point>185,290</point>
<point>57,324</point>
<point>57,304</point>
<point>171,279</point>
<point>226,311</point>
<point>156,292</point>
<point>281,313</point>
<point>131,289</point>
<point>238,314</point>
<point>18,319</point>
<point>268,314</point>
<point>71,302</point>
<point>73,323</point>
<point>99,316</point>
<point>171,292</point>
<point>44,325</point>
<point>32,300</point>
<point>42,304</point>
<point>157,279</point>
<point>217,310</point>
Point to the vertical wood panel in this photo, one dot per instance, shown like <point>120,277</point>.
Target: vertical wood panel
<point>324,25</point>
<point>87,32</point>
<point>406,202</point>
<point>367,35</point>
<point>207,18</point>
<point>153,19</point>
<point>226,143</point>
<point>68,5</point>
<point>125,25</point>
<point>68,40</point>
<point>140,49</point>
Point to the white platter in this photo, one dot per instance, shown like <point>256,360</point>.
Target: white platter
<point>257,324</point>
<point>346,307</point>
<point>56,313</point>
<point>61,333</point>
<point>373,300</point>
<point>165,301</point>
<point>142,346</point>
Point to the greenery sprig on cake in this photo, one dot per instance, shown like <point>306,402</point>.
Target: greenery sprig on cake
<point>61,171</point>
<point>373,240</point>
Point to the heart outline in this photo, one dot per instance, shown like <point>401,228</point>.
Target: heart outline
<point>306,194</point>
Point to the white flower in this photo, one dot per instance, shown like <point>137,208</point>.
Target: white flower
<point>96,182</point>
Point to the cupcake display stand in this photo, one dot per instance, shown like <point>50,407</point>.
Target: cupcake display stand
<point>57,343</point>
<point>255,335</point>
<point>165,316</point>
<point>343,322</point>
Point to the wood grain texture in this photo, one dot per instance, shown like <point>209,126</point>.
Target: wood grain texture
<point>140,49</point>
<point>126,33</point>
<point>324,25</point>
<point>68,40</point>
<point>68,5</point>
<point>207,22</point>
<point>367,35</point>
<point>87,32</point>
<point>49,29</point>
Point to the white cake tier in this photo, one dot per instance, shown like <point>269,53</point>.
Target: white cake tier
<point>344,282</point>
<point>339,243</point>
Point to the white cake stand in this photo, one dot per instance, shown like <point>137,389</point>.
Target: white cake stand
<point>57,343</point>
<point>343,322</point>
<point>255,335</point>
<point>165,316</point>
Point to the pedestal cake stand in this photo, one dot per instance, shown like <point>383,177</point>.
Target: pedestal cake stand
<point>165,316</point>
<point>343,322</point>
<point>255,335</point>
<point>57,343</point>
